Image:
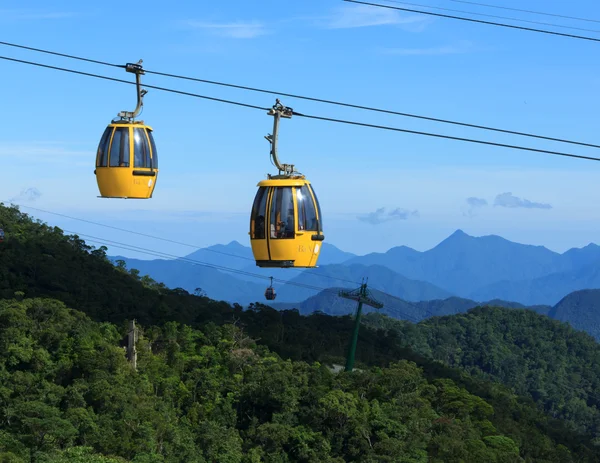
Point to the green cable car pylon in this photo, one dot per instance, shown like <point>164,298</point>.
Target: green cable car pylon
<point>363,296</point>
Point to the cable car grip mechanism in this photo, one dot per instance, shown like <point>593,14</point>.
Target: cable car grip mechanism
<point>135,68</point>
<point>279,111</point>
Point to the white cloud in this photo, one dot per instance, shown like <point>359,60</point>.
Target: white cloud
<point>43,151</point>
<point>236,30</point>
<point>380,216</point>
<point>352,16</point>
<point>509,200</point>
<point>29,194</point>
<point>473,204</point>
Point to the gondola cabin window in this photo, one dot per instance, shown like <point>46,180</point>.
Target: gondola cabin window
<point>141,149</point>
<point>102,156</point>
<point>119,148</point>
<point>282,222</point>
<point>259,212</point>
<point>320,221</point>
<point>154,152</point>
<point>307,215</point>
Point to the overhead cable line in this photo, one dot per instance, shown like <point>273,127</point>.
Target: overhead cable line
<point>172,241</point>
<point>196,262</point>
<point>113,79</point>
<point>493,16</point>
<point>89,60</point>
<point>326,101</point>
<point>512,26</point>
<point>528,11</point>
<point>342,121</point>
<point>129,247</point>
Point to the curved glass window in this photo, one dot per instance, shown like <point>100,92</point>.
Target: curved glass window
<point>307,215</point>
<point>282,223</point>
<point>258,215</point>
<point>154,152</point>
<point>141,149</point>
<point>102,153</point>
<point>119,148</point>
<point>318,208</point>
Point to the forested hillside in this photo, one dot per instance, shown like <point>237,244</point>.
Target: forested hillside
<point>214,395</point>
<point>233,385</point>
<point>536,356</point>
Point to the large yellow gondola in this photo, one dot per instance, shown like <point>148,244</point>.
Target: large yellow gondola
<point>286,225</point>
<point>127,160</point>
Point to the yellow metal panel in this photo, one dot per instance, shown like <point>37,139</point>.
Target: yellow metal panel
<point>284,182</point>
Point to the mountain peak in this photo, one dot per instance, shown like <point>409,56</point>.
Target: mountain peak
<point>458,233</point>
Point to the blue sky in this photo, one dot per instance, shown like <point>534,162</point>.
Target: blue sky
<point>377,189</point>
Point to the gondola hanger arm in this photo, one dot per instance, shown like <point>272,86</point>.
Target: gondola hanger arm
<point>135,68</point>
<point>279,111</point>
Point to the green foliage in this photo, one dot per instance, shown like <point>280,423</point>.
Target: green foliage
<point>544,359</point>
<point>69,395</point>
<point>214,382</point>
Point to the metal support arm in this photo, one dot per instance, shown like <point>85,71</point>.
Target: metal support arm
<point>279,111</point>
<point>137,69</point>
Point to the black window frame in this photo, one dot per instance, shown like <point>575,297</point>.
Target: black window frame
<point>285,232</point>
<point>121,149</point>
<point>154,153</point>
<point>142,146</point>
<point>261,198</point>
<point>104,147</point>
<point>320,216</point>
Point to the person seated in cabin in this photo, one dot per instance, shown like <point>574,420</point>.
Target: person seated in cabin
<point>259,227</point>
<point>289,226</point>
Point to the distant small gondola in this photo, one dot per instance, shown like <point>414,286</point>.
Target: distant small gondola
<point>270,293</point>
<point>1,235</point>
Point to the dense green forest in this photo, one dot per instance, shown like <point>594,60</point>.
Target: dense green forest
<point>536,356</point>
<point>218,383</point>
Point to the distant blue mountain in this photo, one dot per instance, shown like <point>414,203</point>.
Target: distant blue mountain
<point>548,289</point>
<point>476,268</point>
<point>328,302</point>
<point>240,285</point>
<point>239,257</point>
<point>217,285</point>
<point>350,276</point>
<point>489,267</point>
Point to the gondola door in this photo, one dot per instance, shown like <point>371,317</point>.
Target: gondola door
<point>258,226</point>
<point>281,229</point>
<point>307,226</point>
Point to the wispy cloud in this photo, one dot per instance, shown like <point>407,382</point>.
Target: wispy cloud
<point>43,151</point>
<point>380,216</point>
<point>23,14</point>
<point>236,30</point>
<point>352,16</point>
<point>28,195</point>
<point>473,204</point>
<point>509,200</point>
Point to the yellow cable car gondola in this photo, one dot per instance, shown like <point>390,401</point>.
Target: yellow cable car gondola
<point>127,160</point>
<point>286,225</point>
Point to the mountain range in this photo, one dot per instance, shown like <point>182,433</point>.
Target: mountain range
<point>475,268</point>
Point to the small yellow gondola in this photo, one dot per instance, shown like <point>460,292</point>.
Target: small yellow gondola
<point>286,226</point>
<point>127,160</point>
